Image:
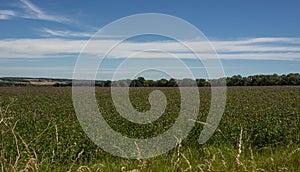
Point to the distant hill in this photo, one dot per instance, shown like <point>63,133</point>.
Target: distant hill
<point>27,81</point>
<point>24,81</point>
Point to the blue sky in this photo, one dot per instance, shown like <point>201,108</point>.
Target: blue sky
<point>44,38</point>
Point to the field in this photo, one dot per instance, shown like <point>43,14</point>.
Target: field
<point>259,131</point>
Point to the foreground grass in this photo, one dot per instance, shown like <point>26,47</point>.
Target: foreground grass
<point>259,131</point>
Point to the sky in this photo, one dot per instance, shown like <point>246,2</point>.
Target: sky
<point>45,38</point>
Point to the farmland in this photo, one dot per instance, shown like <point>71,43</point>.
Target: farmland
<point>259,131</point>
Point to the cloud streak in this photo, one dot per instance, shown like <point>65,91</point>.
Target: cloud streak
<point>51,33</point>
<point>34,12</point>
<point>65,33</point>
<point>29,10</point>
<point>256,48</point>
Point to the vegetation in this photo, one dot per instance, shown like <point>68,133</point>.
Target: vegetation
<point>236,80</point>
<point>259,131</point>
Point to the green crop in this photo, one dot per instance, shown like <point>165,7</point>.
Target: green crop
<point>259,131</point>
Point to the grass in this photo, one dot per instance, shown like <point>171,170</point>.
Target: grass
<point>259,131</point>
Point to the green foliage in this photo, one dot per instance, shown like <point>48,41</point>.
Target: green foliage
<point>236,80</point>
<point>40,131</point>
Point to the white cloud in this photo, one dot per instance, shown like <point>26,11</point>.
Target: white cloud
<point>6,14</point>
<point>257,48</point>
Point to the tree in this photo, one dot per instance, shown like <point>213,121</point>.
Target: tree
<point>107,83</point>
<point>162,83</point>
<point>172,83</point>
<point>293,79</point>
<point>235,80</point>
<point>202,83</point>
<point>141,81</point>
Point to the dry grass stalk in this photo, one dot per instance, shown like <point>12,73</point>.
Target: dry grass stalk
<point>48,126</point>
<point>17,145</point>
<point>239,150</point>
<point>293,152</point>
<point>30,166</point>
<point>83,168</point>
<point>187,161</point>
<point>176,163</point>
<point>78,156</point>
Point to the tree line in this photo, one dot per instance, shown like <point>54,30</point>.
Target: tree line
<point>236,80</point>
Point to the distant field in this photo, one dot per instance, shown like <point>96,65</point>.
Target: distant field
<point>259,131</point>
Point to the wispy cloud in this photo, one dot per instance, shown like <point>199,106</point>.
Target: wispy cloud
<point>256,48</point>
<point>6,14</point>
<point>29,10</point>
<point>34,12</point>
<point>52,33</point>
<point>65,33</point>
